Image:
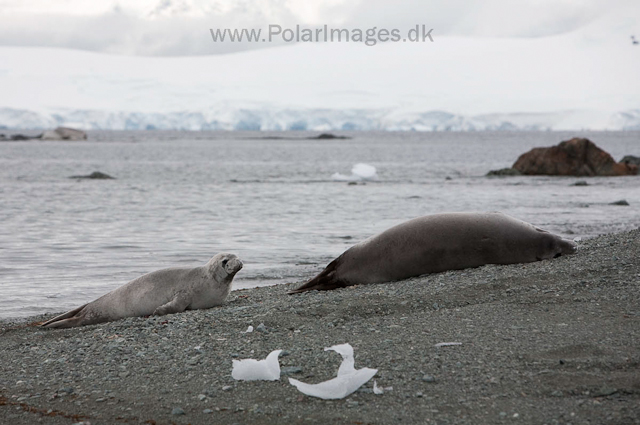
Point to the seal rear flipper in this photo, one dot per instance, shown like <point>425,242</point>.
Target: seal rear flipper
<point>325,281</point>
<point>65,320</point>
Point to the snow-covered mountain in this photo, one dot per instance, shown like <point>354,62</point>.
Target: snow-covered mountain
<point>585,79</point>
<point>317,119</point>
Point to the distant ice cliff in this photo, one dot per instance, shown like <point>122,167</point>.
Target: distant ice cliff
<point>316,120</point>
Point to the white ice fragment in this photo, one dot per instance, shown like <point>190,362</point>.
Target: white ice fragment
<point>377,389</point>
<point>380,390</point>
<point>447,344</point>
<point>359,172</point>
<point>364,171</point>
<point>257,370</point>
<point>249,330</point>
<point>348,380</point>
<point>343,178</point>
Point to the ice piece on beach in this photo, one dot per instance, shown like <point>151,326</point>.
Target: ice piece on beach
<point>249,330</point>
<point>348,380</point>
<point>447,344</point>
<point>380,390</point>
<point>377,389</point>
<point>359,172</point>
<point>257,370</point>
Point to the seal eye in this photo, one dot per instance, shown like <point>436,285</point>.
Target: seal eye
<point>224,263</point>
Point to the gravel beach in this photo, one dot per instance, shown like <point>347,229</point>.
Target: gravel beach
<point>552,342</point>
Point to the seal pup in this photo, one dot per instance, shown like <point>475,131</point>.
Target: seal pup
<point>439,242</point>
<point>161,292</point>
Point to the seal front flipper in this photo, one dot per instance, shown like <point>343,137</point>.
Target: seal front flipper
<point>325,281</point>
<point>178,304</point>
<point>66,320</point>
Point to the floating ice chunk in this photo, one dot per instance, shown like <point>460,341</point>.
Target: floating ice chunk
<point>348,380</point>
<point>343,178</point>
<point>447,344</point>
<point>364,171</point>
<point>359,172</point>
<point>249,330</point>
<point>257,370</point>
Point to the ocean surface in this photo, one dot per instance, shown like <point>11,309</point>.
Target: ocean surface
<point>181,197</point>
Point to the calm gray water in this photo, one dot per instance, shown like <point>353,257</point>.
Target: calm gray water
<point>181,197</point>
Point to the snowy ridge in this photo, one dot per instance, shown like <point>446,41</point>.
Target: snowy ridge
<point>582,79</point>
<point>317,120</point>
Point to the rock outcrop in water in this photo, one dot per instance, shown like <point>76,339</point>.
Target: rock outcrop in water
<point>96,175</point>
<point>64,133</point>
<point>504,172</point>
<point>17,137</point>
<point>327,136</point>
<point>630,159</point>
<point>575,157</point>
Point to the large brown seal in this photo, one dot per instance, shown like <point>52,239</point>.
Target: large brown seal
<point>436,243</point>
<point>161,292</point>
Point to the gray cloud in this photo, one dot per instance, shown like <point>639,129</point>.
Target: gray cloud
<point>177,28</point>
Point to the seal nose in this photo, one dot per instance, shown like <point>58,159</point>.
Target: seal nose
<point>568,247</point>
<point>234,265</point>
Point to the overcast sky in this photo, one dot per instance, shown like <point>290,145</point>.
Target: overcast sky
<point>181,27</point>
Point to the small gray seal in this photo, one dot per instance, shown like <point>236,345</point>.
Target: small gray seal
<point>161,292</point>
<point>436,243</point>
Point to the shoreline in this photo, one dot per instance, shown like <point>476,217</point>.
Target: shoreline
<point>547,342</point>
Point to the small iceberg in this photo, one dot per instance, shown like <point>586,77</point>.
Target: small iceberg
<point>257,370</point>
<point>348,380</point>
<point>359,172</point>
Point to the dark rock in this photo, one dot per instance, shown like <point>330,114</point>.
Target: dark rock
<point>18,137</point>
<point>64,133</point>
<point>630,159</point>
<point>428,378</point>
<point>289,370</point>
<point>177,411</point>
<point>504,172</point>
<point>580,183</point>
<point>97,175</point>
<point>621,202</point>
<point>575,157</point>
<point>604,392</point>
<point>327,136</point>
